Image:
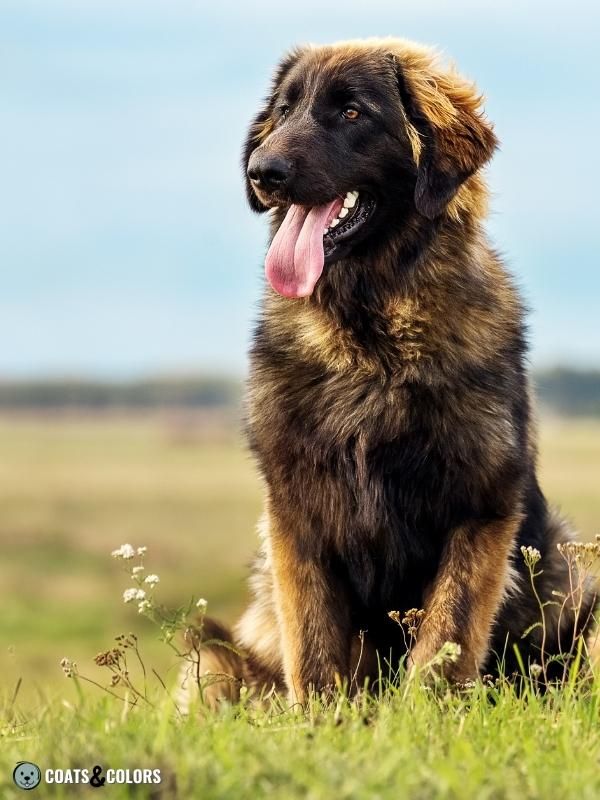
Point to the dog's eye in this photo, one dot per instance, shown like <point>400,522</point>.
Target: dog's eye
<point>350,113</point>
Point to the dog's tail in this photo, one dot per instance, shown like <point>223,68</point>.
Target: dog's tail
<point>214,670</point>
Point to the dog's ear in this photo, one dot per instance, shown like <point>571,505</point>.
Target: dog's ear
<point>454,139</point>
<point>263,123</point>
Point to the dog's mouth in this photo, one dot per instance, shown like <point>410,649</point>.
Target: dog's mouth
<point>356,210</point>
<point>309,237</point>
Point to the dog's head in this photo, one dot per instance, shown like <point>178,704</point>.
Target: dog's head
<point>354,140</point>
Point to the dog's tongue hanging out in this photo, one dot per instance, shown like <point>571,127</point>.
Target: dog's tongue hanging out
<point>296,257</point>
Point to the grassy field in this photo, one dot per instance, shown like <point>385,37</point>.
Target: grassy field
<point>73,489</point>
<point>483,745</point>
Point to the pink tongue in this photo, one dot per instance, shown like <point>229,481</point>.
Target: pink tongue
<point>295,259</point>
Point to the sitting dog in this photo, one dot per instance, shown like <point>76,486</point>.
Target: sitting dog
<point>388,402</point>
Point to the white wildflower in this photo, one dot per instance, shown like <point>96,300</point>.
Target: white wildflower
<point>451,651</point>
<point>535,670</point>
<point>141,551</point>
<point>144,606</point>
<point>137,570</point>
<point>152,580</point>
<point>202,604</point>
<point>68,667</point>
<point>126,551</point>
<point>531,555</point>
<point>129,595</point>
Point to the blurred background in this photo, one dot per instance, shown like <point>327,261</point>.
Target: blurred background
<point>131,269</point>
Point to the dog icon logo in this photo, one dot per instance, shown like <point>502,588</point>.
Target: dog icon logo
<point>27,775</point>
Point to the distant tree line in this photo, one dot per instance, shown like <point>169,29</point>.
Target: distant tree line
<point>189,392</point>
<point>569,392</point>
<point>564,391</point>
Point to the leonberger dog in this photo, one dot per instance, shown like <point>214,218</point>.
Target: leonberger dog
<point>388,402</point>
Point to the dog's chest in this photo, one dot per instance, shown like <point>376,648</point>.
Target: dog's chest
<point>355,448</point>
<point>345,471</point>
<point>397,339</point>
<point>374,465</point>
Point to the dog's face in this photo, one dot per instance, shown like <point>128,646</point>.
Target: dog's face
<point>354,141</point>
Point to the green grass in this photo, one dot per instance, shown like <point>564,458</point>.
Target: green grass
<point>72,489</point>
<point>481,744</point>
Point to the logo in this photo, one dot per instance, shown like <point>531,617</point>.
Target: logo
<point>96,781</point>
<point>27,775</point>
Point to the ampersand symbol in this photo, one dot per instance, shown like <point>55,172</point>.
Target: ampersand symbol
<point>96,781</point>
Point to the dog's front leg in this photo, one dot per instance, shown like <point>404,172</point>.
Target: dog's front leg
<point>466,596</point>
<point>313,617</point>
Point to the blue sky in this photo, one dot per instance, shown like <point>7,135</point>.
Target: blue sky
<point>125,243</point>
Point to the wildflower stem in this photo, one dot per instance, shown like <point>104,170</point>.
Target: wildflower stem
<point>164,686</point>
<point>81,677</point>
<point>143,666</point>
<point>532,577</point>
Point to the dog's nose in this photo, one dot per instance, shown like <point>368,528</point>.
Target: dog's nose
<point>269,170</point>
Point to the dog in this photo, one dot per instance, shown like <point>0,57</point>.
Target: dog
<point>388,405</point>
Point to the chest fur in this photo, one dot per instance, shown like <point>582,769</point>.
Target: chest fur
<point>374,443</point>
<point>371,461</point>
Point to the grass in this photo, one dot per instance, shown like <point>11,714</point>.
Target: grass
<point>483,743</point>
<point>72,489</point>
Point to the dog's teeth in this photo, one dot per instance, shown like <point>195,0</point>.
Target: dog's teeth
<point>350,200</point>
<point>343,213</point>
<point>326,230</point>
<point>334,222</point>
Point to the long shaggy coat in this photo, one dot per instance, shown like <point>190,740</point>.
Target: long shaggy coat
<point>389,408</point>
